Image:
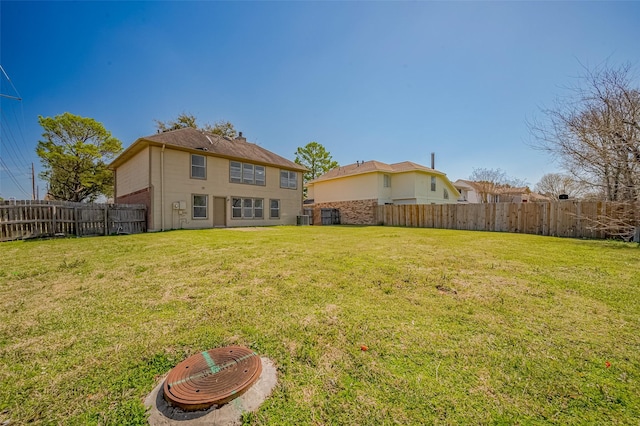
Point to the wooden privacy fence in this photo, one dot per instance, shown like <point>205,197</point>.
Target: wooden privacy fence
<point>562,219</point>
<point>33,219</point>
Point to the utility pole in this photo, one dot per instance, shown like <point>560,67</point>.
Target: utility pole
<point>33,182</point>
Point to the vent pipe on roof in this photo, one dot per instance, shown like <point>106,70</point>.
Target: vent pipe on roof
<point>433,160</point>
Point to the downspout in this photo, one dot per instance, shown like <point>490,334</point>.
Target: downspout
<point>162,188</point>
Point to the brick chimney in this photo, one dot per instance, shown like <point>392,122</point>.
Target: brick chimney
<point>240,137</point>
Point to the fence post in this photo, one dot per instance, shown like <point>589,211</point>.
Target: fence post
<point>76,220</point>
<point>106,219</point>
<point>53,221</point>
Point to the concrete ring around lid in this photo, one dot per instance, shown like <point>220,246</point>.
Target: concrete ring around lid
<point>161,413</point>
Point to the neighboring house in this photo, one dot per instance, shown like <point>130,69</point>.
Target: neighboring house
<point>469,192</point>
<point>479,192</point>
<point>189,178</point>
<point>357,189</point>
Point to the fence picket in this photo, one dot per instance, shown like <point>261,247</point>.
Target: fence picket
<point>31,219</point>
<point>563,219</point>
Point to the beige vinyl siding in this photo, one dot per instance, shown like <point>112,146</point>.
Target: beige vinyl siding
<point>358,187</point>
<point>133,175</point>
<point>424,194</point>
<point>406,188</point>
<point>385,192</point>
<point>403,187</point>
<point>179,186</point>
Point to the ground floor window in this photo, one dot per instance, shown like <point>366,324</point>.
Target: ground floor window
<point>247,208</point>
<point>199,206</point>
<point>274,209</point>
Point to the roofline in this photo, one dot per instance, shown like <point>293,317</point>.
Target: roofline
<point>143,142</point>
<point>434,171</point>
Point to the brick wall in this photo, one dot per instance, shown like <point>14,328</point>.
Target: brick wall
<point>358,212</point>
<point>142,196</point>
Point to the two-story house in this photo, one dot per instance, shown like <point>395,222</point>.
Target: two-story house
<point>193,179</point>
<point>357,189</point>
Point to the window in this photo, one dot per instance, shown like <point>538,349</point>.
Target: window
<point>387,181</point>
<point>288,179</point>
<point>259,175</point>
<point>247,208</point>
<point>257,208</point>
<point>274,209</point>
<point>433,183</point>
<point>199,203</point>
<point>235,172</point>
<point>246,173</point>
<point>198,166</point>
<point>446,194</point>
<point>236,208</point>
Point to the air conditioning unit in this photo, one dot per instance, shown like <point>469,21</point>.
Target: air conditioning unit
<point>302,220</point>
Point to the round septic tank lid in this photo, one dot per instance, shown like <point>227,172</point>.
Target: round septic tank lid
<point>212,377</point>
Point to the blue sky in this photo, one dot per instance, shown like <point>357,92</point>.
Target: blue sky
<point>390,81</point>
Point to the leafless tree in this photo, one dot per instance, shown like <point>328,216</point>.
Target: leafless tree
<point>486,182</point>
<point>554,184</point>
<point>595,133</point>
<point>493,184</point>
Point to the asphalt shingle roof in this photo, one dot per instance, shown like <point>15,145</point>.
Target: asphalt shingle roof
<point>195,139</point>
<point>373,166</point>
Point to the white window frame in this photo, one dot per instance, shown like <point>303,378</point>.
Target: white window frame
<point>247,208</point>
<point>198,166</point>
<point>387,181</point>
<point>260,175</point>
<point>433,183</point>
<point>288,179</point>
<point>247,173</point>
<point>446,194</point>
<point>199,206</point>
<point>237,167</point>
<point>236,210</point>
<point>272,209</point>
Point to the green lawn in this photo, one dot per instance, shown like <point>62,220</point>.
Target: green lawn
<point>462,327</point>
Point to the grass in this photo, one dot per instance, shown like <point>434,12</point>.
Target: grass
<point>462,327</point>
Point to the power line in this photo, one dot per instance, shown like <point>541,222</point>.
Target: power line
<point>19,98</point>
<point>13,178</point>
<point>12,141</point>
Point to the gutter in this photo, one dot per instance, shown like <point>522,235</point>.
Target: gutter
<point>162,188</point>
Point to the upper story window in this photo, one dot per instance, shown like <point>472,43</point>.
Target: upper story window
<point>198,166</point>
<point>433,183</point>
<point>250,174</point>
<point>288,179</point>
<point>446,194</point>
<point>387,181</point>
